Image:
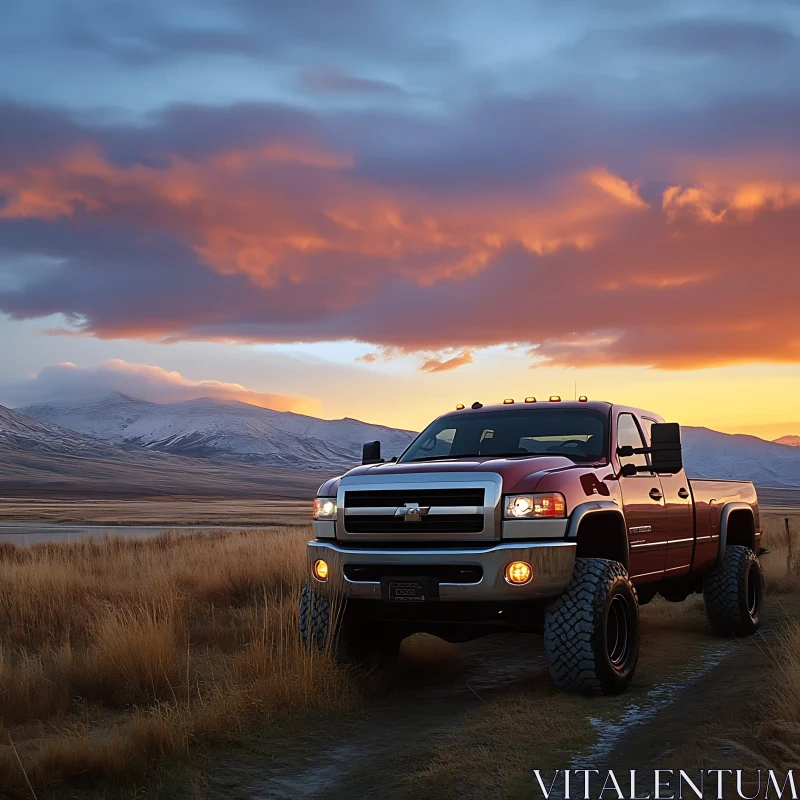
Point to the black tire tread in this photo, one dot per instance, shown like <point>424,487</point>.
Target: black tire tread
<point>325,627</point>
<point>722,593</point>
<point>315,619</point>
<point>570,624</point>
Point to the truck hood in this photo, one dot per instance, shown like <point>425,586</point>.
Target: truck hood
<point>518,474</point>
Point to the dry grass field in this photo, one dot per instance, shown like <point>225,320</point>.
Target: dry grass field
<point>775,741</point>
<point>782,539</point>
<point>117,654</point>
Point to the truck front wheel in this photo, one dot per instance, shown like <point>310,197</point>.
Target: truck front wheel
<point>734,593</point>
<point>328,626</point>
<point>591,633</point>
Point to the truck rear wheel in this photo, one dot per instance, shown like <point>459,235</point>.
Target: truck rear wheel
<point>733,593</point>
<point>325,626</point>
<point>591,633</point>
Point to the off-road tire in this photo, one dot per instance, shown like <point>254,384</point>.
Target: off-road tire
<point>582,629</point>
<point>325,627</point>
<point>733,593</point>
<point>316,620</point>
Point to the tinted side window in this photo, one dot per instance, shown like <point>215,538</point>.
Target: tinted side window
<point>628,434</point>
<point>646,425</point>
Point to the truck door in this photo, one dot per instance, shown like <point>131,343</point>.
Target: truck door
<point>643,504</point>
<point>680,517</point>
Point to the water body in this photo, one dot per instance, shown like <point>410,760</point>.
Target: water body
<point>30,533</point>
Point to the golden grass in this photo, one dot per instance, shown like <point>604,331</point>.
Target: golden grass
<point>117,654</point>
<point>779,735</point>
<point>782,539</point>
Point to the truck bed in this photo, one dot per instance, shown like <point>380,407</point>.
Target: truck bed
<point>716,492</point>
<point>710,496</point>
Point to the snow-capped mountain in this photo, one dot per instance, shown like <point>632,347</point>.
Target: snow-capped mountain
<point>711,454</point>
<point>20,433</point>
<point>207,428</point>
<point>42,460</point>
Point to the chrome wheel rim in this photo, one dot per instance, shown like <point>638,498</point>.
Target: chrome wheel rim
<point>753,593</point>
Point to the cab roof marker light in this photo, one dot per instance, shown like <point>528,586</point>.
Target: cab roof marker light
<point>508,401</point>
<point>460,407</point>
<point>476,404</point>
<point>554,398</point>
<point>530,399</point>
<point>583,399</point>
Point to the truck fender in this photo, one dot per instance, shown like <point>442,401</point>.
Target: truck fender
<point>584,510</point>
<point>727,510</point>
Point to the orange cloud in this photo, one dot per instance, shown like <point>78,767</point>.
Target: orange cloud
<point>447,364</point>
<point>626,193</point>
<point>734,188</point>
<point>243,215</point>
<point>587,268</point>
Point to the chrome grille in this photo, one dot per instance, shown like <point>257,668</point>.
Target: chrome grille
<point>439,523</point>
<point>424,497</point>
<point>408,506</point>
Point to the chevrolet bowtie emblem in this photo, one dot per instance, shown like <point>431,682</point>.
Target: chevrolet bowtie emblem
<point>412,512</point>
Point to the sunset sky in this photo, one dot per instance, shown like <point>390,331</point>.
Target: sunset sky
<point>380,208</point>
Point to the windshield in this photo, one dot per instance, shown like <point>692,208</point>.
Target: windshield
<point>578,434</point>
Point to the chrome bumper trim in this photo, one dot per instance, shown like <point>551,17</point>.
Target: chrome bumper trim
<point>552,564</point>
<point>528,529</point>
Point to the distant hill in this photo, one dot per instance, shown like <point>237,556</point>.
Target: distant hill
<point>710,454</point>
<point>792,441</point>
<point>226,430</point>
<point>42,460</point>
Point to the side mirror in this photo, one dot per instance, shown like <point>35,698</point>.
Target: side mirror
<point>666,455</point>
<point>371,453</point>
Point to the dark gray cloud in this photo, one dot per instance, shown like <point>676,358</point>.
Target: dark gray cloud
<point>150,33</point>
<point>333,81</point>
<point>716,36</point>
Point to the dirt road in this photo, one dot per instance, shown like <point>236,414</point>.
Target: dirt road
<point>417,738</point>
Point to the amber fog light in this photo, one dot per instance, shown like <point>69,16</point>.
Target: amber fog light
<point>320,570</point>
<point>519,572</point>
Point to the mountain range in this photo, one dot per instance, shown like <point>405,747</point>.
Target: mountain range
<point>43,460</point>
<point>225,430</point>
<point>118,445</point>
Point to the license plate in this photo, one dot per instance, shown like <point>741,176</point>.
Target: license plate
<point>409,590</point>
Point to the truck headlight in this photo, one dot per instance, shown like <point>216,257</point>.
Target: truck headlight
<point>324,508</point>
<point>530,506</point>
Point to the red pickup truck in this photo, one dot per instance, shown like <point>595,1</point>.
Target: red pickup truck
<point>557,518</point>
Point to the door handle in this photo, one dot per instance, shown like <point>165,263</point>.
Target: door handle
<point>683,492</point>
<point>656,493</point>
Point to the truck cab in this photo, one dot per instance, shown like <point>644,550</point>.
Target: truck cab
<point>503,517</point>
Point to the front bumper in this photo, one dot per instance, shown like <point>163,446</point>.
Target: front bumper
<point>552,564</point>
